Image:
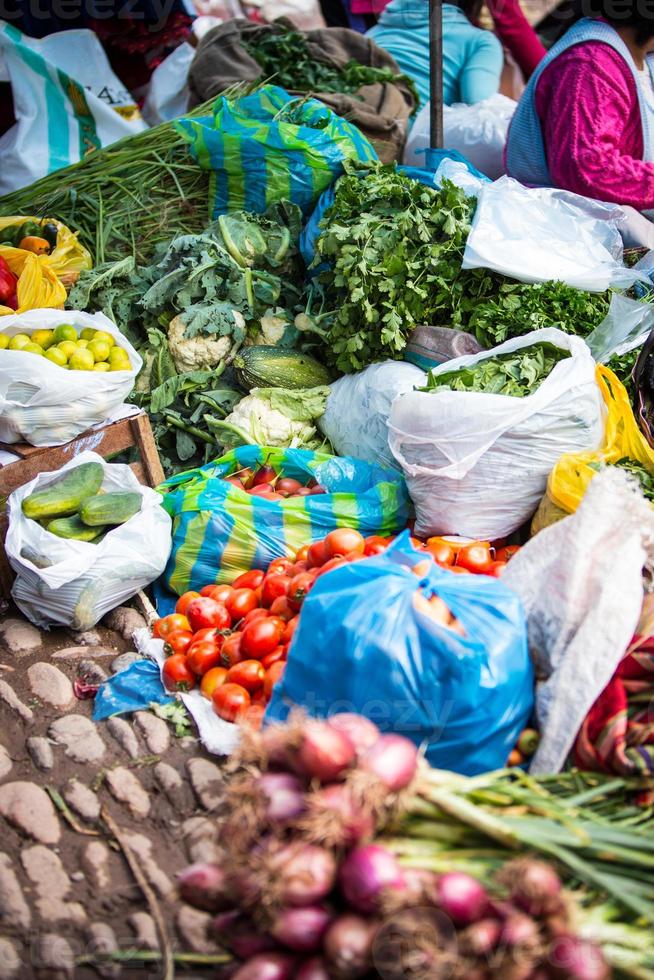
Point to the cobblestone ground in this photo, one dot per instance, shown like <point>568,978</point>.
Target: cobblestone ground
<point>66,885</point>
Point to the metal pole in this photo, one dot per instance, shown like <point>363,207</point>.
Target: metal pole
<point>436,72</point>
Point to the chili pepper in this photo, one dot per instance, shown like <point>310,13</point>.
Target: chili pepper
<point>36,244</point>
<point>8,285</point>
<point>27,228</point>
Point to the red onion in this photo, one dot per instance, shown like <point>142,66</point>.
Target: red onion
<point>284,793</point>
<point>205,887</point>
<point>313,969</point>
<point>275,742</point>
<point>520,930</point>
<point>301,929</point>
<point>421,887</point>
<point>462,898</point>
<point>306,874</point>
<point>481,937</point>
<point>571,958</point>
<point>238,934</point>
<point>267,966</point>
<point>535,886</point>
<point>325,753</point>
<point>351,824</point>
<point>366,874</point>
<point>347,946</point>
<point>362,732</point>
<point>394,760</point>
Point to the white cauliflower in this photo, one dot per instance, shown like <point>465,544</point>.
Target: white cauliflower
<point>276,417</point>
<point>273,328</point>
<point>199,353</point>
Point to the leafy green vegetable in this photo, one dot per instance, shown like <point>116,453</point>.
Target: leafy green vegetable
<point>643,475</point>
<point>393,248</point>
<point>175,713</point>
<point>286,59</point>
<point>518,373</point>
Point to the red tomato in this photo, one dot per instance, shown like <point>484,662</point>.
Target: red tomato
<point>240,603</point>
<point>230,701</point>
<point>259,697</point>
<point>316,555</point>
<point>273,587</point>
<point>278,655</point>
<point>496,568</point>
<point>262,636</point>
<point>343,541</point>
<point>248,580</point>
<point>375,545</point>
<point>507,552</point>
<point>475,557</point>
<point>204,613</point>
<point>299,589</point>
<point>287,486</point>
<point>441,551</point>
<point>332,563</point>
<point>249,674</point>
<point>230,652</point>
<point>177,675</point>
<point>254,716</point>
<point>279,566</point>
<point>212,679</point>
<point>457,568</point>
<point>273,674</point>
<point>203,656</point>
<point>299,566</point>
<point>206,589</point>
<point>252,617</point>
<point>178,641</point>
<point>220,592</point>
<point>183,601</point>
<point>281,607</point>
<point>164,627</point>
<point>302,553</point>
<point>291,627</point>
<point>417,543</point>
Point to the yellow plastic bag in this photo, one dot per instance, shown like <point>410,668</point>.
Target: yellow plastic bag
<point>38,284</point>
<point>569,479</point>
<point>68,258</point>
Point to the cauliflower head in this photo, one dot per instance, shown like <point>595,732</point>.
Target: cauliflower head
<point>199,353</point>
<point>266,425</point>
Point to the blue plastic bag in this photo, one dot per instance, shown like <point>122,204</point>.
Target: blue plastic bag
<point>362,646</point>
<point>133,689</point>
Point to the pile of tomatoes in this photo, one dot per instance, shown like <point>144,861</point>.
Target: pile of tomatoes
<point>232,640</point>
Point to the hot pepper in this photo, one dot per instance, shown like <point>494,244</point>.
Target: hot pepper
<point>8,286</point>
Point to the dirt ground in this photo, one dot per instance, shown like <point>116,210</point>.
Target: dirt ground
<point>66,889</point>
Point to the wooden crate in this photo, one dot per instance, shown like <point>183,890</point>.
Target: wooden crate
<point>106,442</point>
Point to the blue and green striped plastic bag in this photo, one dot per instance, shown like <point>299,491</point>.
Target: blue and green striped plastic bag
<point>220,531</point>
<point>270,146</point>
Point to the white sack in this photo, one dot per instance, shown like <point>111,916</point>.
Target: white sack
<point>46,405</point>
<point>67,103</point>
<point>74,583</point>
<point>356,415</point>
<point>477,464</point>
<point>539,234</point>
<point>168,92</point>
<point>477,131</point>
<point>580,582</point>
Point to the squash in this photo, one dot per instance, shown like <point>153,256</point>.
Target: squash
<point>275,367</point>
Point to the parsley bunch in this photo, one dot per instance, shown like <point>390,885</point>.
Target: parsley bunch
<point>518,373</point>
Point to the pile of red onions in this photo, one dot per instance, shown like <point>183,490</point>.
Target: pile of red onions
<point>307,891</point>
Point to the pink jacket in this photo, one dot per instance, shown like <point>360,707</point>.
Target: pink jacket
<point>368,6</point>
<point>588,106</point>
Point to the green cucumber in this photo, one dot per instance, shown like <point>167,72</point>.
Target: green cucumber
<point>74,529</point>
<point>65,495</point>
<point>110,508</point>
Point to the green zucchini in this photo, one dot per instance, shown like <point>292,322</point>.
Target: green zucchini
<point>110,508</point>
<point>275,367</point>
<point>73,528</point>
<point>65,495</point>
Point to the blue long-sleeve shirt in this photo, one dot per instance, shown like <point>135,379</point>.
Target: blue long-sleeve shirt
<point>472,58</point>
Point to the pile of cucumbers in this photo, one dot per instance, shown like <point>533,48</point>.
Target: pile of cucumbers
<point>75,507</point>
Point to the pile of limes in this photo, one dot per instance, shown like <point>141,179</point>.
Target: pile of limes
<point>91,350</point>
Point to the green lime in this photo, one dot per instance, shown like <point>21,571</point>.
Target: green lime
<point>100,350</point>
<point>68,348</point>
<point>83,344</point>
<point>44,338</point>
<point>56,355</point>
<point>81,360</point>
<point>33,349</point>
<point>103,335</point>
<point>19,340</point>
<point>120,365</point>
<point>65,331</point>
<point>102,366</point>
<point>88,333</point>
<point>4,341</point>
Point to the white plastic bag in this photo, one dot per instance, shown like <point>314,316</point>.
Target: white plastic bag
<point>477,464</point>
<point>168,93</point>
<point>74,583</point>
<point>67,103</point>
<point>539,234</point>
<point>625,327</point>
<point>46,405</point>
<point>355,419</point>
<point>477,131</point>
<point>580,581</point>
